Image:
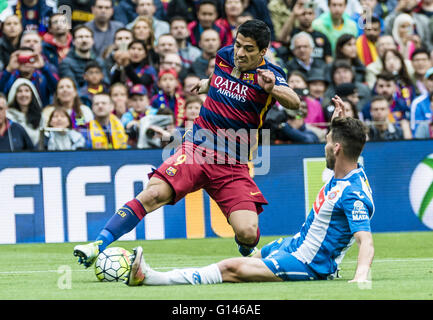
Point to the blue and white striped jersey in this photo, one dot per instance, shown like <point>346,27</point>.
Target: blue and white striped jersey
<point>342,208</point>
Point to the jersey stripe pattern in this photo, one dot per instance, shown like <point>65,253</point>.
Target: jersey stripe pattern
<point>342,208</point>
<point>234,109</point>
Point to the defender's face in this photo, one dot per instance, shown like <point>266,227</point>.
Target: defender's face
<point>247,55</point>
<point>329,152</point>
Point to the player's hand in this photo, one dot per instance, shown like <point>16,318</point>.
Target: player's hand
<point>266,79</point>
<point>339,108</point>
<point>201,87</point>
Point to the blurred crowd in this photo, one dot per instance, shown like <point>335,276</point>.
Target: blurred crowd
<point>111,74</point>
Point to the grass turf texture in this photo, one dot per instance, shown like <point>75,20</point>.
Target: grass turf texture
<point>402,269</point>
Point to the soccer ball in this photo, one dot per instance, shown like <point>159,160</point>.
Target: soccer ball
<point>112,264</point>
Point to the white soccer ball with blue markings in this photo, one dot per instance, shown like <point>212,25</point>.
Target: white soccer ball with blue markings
<point>112,264</point>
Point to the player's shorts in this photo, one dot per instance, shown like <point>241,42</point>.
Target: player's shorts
<point>230,185</point>
<point>283,264</point>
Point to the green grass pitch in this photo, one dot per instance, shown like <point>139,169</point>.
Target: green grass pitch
<point>402,269</point>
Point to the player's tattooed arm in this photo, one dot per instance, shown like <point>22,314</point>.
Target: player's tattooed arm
<point>203,85</point>
<point>283,94</point>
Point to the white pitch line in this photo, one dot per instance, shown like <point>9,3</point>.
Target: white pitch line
<point>177,267</point>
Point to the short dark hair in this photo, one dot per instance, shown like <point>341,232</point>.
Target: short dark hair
<point>351,133</point>
<point>378,98</point>
<point>79,27</point>
<point>386,76</point>
<point>420,51</point>
<point>329,2</point>
<point>257,30</point>
<point>93,64</point>
<point>211,2</point>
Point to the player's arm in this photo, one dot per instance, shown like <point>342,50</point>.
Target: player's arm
<point>364,240</point>
<point>203,85</point>
<point>283,94</point>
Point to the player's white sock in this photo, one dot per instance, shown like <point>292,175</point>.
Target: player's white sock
<point>205,275</point>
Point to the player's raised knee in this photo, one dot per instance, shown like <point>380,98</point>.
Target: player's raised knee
<point>247,234</point>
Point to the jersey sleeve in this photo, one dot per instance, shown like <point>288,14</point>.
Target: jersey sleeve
<point>357,210</point>
<point>280,76</point>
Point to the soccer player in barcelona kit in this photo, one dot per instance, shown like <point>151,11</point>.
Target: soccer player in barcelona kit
<point>340,215</point>
<point>243,86</point>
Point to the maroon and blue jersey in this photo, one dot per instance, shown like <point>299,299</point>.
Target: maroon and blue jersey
<point>234,109</point>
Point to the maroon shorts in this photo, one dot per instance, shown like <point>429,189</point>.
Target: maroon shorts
<point>230,185</point>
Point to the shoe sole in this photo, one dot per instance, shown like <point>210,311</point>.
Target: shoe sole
<point>83,256</point>
<point>135,265</point>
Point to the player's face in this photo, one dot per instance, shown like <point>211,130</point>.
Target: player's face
<point>247,55</point>
<point>329,152</point>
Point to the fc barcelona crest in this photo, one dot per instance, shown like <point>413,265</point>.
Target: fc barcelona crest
<point>248,78</point>
<point>171,171</point>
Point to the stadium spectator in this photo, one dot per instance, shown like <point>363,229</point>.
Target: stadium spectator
<point>142,30</point>
<point>59,135</point>
<point>301,19</point>
<point>280,12</point>
<point>93,75</point>
<point>317,84</point>
<point>102,26</point>
<point>188,53</point>
<point>302,46</point>
<point>189,82</point>
<point>393,62</point>
<point>125,11</point>
<point>366,42</point>
<point>147,8</point>
<point>106,130</point>
<point>342,72</point>
<point>346,50</point>
<point>207,14</point>
<point>229,20</point>
<point>384,43</point>
<point>422,33</point>
<point>140,107</point>
<point>11,30</point>
<point>209,45</point>
<point>34,14</point>
<point>192,111</point>
<point>421,63</point>
<point>166,44</point>
<point>32,39</point>
<point>387,88</point>
<point>13,137</point>
<point>25,63</point>
<point>294,130</point>
<point>58,40</point>
<point>25,108</point>
<point>158,130</point>
<point>135,68</point>
<point>174,61</point>
<point>75,62</point>
<point>182,8</point>
<point>119,49</point>
<point>403,34</point>
<point>424,131</point>
<point>346,91</point>
<point>258,9</point>
<point>119,94</point>
<point>335,22</point>
<point>168,95</point>
<point>66,96</point>
<point>314,112</point>
<point>350,108</point>
<point>421,110</point>
<point>381,129</point>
